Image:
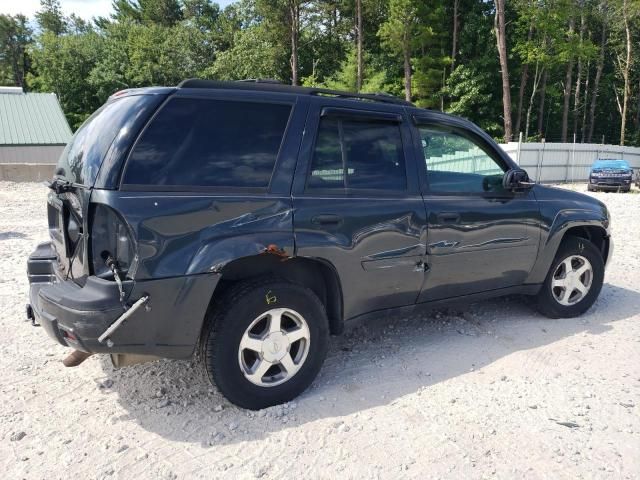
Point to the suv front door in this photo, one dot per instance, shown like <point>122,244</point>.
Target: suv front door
<point>481,236</point>
<point>357,203</point>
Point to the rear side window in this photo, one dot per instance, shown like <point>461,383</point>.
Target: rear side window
<point>353,154</point>
<point>209,143</point>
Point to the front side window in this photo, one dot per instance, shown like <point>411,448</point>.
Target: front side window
<point>455,164</point>
<point>209,143</point>
<point>352,155</point>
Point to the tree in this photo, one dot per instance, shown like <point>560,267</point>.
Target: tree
<point>149,12</point>
<point>253,55</point>
<point>125,10</point>
<point>504,67</point>
<point>50,17</point>
<point>454,34</point>
<point>398,34</point>
<point>473,88</point>
<point>15,38</point>
<point>576,98</point>
<point>62,65</point>
<point>603,12</point>
<point>568,82</point>
<point>359,43</point>
<point>284,20</point>
<point>459,56</point>
<point>524,79</point>
<point>627,12</point>
<point>160,12</point>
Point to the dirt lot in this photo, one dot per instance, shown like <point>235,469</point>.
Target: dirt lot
<point>491,390</point>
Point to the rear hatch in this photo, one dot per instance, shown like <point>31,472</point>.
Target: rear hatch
<point>107,134</point>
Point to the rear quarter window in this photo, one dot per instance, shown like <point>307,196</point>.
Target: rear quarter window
<point>83,155</point>
<point>195,142</point>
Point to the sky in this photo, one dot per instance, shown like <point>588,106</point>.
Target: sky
<point>83,8</point>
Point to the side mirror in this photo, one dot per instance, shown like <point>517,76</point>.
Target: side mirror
<point>516,179</point>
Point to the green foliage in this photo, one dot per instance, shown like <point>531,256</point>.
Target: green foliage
<point>161,42</point>
<point>254,54</point>
<point>15,38</point>
<point>473,93</point>
<point>63,64</point>
<point>149,12</point>
<point>376,79</point>
<point>50,17</point>
<point>402,27</point>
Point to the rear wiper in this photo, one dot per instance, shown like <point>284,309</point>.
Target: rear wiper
<point>62,186</point>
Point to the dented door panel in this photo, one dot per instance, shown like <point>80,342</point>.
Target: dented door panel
<point>184,234</point>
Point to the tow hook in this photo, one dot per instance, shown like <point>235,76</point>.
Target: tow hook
<point>75,358</point>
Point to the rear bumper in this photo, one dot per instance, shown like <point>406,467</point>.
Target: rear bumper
<point>75,316</point>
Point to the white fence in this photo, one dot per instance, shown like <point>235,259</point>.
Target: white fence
<point>566,162</point>
<point>474,160</point>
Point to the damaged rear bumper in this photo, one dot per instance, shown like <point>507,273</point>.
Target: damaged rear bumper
<point>168,325</point>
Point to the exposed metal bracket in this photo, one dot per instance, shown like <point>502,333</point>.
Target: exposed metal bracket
<point>115,325</point>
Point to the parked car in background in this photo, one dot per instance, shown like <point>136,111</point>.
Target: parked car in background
<point>609,174</point>
<point>636,178</point>
<point>249,221</point>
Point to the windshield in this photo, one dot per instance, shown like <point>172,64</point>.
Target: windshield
<point>611,164</point>
<point>83,155</point>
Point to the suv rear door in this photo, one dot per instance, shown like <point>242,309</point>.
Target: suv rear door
<point>481,237</point>
<point>357,203</point>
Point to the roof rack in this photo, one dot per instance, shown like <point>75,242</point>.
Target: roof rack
<point>270,85</point>
<point>261,80</point>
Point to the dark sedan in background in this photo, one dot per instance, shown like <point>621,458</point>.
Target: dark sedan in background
<point>613,175</point>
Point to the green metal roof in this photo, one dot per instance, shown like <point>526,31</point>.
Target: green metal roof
<point>32,119</point>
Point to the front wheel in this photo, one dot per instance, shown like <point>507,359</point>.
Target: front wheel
<point>265,342</point>
<point>574,280</point>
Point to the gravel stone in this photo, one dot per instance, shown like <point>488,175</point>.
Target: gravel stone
<point>379,399</point>
<point>17,436</point>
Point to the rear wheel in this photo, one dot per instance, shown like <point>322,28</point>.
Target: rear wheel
<point>574,280</point>
<point>265,342</point>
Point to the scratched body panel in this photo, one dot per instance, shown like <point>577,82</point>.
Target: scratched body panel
<point>377,249</point>
<point>493,245</point>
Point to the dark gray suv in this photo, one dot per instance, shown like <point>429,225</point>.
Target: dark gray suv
<point>250,220</point>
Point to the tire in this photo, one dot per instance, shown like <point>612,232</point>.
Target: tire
<point>243,316</point>
<point>590,188</point>
<point>577,249</point>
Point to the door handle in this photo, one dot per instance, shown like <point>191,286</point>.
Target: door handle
<point>448,218</point>
<point>327,219</point>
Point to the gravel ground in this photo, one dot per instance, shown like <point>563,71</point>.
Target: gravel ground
<point>491,390</point>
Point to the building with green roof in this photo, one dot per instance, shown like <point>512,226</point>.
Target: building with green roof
<point>33,133</point>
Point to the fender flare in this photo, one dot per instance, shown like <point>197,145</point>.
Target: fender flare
<point>564,220</point>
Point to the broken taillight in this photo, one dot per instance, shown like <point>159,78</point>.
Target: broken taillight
<point>111,239</point>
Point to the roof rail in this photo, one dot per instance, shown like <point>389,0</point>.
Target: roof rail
<point>261,80</point>
<point>270,85</point>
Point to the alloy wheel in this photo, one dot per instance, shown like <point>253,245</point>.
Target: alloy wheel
<point>274,347</point>
<point>572,280</point>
